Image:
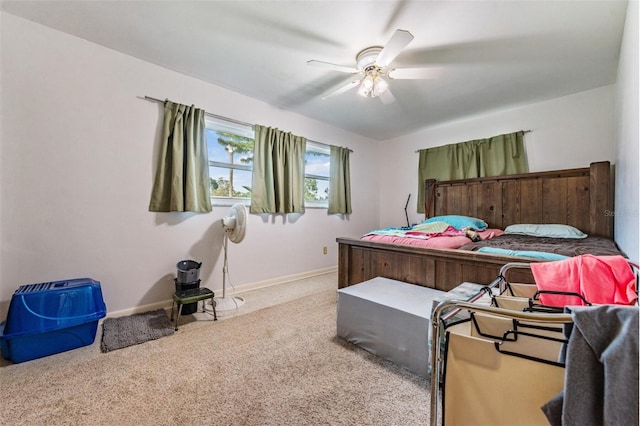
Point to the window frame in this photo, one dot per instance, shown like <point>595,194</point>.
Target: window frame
<point>324,150</point>
<point>221,125</point>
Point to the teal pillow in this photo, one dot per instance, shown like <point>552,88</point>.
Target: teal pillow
<point>460,222</point>
<point>545,230</point>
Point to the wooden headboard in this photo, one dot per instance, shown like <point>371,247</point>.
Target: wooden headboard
<point>578,197</point>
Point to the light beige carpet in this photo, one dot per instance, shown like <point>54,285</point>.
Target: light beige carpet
<point>279,365</point>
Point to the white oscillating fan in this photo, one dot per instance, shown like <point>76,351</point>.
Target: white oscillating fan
<point>234,225</point>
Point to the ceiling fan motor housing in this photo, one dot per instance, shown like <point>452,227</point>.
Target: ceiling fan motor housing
<point>366,58</point>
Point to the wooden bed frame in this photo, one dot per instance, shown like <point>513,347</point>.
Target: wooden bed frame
<point>577,197</point>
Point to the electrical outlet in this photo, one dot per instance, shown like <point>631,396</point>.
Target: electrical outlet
<point>324,250</point>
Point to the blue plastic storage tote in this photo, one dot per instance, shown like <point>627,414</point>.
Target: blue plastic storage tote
<point>48,318</point>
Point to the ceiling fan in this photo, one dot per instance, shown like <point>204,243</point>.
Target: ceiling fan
<point>372,66</point>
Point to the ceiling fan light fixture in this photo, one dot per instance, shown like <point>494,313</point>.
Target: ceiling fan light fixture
<point>380,86</point>
<point>363,91</point>
<point>372,84</point>
<point>367,82</point>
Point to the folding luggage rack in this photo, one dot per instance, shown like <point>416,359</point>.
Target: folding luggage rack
<point>502,362</point>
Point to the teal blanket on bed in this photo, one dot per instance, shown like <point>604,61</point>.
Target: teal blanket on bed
<point>523,253</point>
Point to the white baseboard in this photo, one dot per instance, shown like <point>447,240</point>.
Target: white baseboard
<point>166,304</point>
<point>281,280</point>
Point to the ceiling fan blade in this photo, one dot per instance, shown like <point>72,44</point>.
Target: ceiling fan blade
<point>340,88</point>
<point>330,66</point>
<point>394,46</point>
<point>415,73</point>
<point>387,97</point>
<point>397,12</point>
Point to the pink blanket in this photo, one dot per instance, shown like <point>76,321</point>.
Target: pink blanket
<point>599,279</point>
<point>434,242</point>
<point>441,242</point>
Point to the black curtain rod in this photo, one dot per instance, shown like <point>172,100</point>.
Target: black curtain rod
<point>523,131</point>
<point>230,120</point>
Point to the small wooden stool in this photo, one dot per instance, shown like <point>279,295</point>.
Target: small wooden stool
<point>194,295</point>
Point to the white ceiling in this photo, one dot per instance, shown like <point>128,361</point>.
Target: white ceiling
<point>490,54</point>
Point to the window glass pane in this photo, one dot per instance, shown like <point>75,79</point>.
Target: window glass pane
<point>226,147</point>
<point>316,189</point>
<point>317,167</point>
<point>230,150</point>
<point>317,160</point>
<point>316,164</point>
<point>221,182</point>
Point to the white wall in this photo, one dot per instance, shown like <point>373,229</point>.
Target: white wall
<point>567,132</point>
<point>627,155</point>
<point>78,154</point>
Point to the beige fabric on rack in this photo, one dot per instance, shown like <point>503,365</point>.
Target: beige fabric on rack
<point>523,290</point>
<point>485,387</point>
<point>511,303</point>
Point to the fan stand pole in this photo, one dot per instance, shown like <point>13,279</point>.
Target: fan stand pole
<point>225,266</point>
<point>224,303</point>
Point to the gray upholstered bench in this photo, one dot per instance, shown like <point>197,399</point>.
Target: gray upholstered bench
<point>392,319</point>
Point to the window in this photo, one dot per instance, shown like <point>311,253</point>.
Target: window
<point>230,150</point>
<point>316,174</point>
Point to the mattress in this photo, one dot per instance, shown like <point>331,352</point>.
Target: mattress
<point>598,246</point>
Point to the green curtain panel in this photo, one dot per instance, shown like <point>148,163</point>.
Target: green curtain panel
<point>278,172</point>
<point>182,177</point>
<point>502,155</point>
<point>339,181</point>
<point>495,156</point>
